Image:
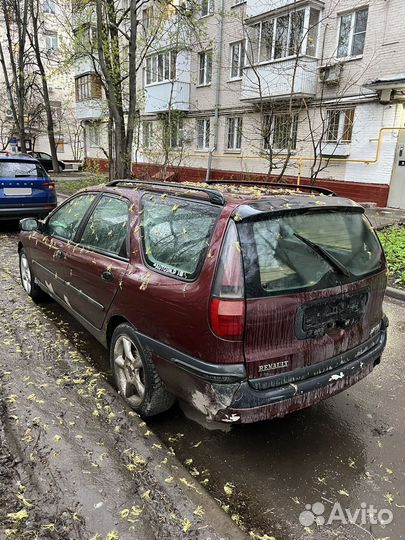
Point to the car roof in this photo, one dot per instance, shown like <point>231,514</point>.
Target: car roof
<point>19,157</point>
<point>250,198</point>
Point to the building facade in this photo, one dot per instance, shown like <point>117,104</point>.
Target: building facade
<point>303,90</point>
<point>54,40</point>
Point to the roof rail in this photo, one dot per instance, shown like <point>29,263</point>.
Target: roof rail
<point>214,196</point>
<point>321,190</point>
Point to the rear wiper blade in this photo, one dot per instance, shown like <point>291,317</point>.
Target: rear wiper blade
<point>337,265</point>
<point>24,176</point>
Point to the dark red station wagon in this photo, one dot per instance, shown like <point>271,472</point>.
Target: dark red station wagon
<point>246,301</point>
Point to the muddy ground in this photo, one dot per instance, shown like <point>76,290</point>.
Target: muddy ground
<point>347,450</point>
<point>75,461</point>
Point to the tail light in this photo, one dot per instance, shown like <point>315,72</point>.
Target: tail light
<point>49,185</point>
<point>227,304</point>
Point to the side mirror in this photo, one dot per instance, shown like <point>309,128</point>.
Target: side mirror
<point>29,224</point>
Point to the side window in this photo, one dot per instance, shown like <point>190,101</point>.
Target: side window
<point>65,221</point>
<point>176,234</point>
<point>107,227</point>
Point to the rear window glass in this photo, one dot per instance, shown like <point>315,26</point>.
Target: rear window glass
<point>176,234</point>
<point>307,251</point>
<point>20,169</point>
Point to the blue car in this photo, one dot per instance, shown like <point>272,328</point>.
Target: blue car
<point>25,188</point>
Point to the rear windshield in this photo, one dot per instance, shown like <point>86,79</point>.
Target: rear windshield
<point>307,251</point>
<point>20,169</point>
<point>176,234</point>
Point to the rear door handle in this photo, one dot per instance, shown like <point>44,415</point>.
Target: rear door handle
<point>107,275</point>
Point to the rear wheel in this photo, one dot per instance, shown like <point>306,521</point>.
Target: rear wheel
<point>27,279</point>
<point>135,374</point>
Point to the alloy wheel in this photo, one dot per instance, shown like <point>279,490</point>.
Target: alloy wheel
<point>129,371</point>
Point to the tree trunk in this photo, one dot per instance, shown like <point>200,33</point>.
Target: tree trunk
<point>45,92</point>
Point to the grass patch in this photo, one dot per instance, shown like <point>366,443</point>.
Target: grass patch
<point>393,241</point>
<point>69,187</point>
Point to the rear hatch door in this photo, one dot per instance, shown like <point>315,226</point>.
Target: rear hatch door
<point>23,182</point>
<point>314,282</point>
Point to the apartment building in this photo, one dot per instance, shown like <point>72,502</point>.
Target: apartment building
<point>303,90</point>
<point>54,39</point>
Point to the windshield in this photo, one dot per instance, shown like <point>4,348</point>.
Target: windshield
<point>307,251</point>
<point>20,169</point>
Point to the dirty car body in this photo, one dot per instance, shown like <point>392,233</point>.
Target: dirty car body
<point>248,303</point>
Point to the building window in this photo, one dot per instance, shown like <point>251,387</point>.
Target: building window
<point>207,7</point>
<point>173,132</point>
<point>94,135</point>
<point>339,125</point>
<point>88,87</point>
<point>234,133</point>
<point>284,36</point>
<point>60,144</point>
<point>160,67</point>
<point>147,134</point>
<point>49,6</point>
<point>237,59</point>
<point>205,67</point>
<point>203,133</point>
<point>147,18</point>
<point>280,131</point>
<point>352,33</point>
<point>51,41</point>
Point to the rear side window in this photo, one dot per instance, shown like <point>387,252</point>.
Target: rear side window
<point>176,234</point>
<point>21,169</point>
<point>65,222</point>
<point>307,251</point>
<point>107,227</point>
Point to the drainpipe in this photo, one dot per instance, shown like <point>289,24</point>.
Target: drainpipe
<point>217,89</point>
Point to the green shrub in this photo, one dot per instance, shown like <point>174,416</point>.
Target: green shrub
<point>393,241</point>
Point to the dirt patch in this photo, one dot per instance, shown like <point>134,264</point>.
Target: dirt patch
<point>89,466</point>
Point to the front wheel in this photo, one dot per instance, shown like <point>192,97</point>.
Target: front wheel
<point>27,279</point>
<point>135,374</point>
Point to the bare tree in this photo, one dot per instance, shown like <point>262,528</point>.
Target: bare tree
<point>33,36</point>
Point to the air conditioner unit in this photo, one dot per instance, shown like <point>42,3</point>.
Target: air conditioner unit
<point>330,74</point>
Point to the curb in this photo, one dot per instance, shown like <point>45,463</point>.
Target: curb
<point>398,294</point>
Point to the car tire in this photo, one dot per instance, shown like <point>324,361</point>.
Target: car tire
<point>135,374</point>
<point>28,279</point>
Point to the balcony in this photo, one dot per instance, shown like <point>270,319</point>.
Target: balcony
<point>281,79</point>
<point>173,95</point>
<point>91,109</point>
<point>255,8</point>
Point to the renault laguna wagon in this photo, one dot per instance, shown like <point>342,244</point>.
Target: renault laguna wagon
<point>247,301</point>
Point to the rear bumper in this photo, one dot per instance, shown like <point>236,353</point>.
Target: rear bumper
<point>223,393</point>
<point>16,212</point>
<point>250,405</point>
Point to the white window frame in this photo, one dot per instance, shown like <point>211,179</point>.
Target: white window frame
<point>49,6</point>
<point>147,18</point>
<point>94,135</point>
<point>51,41</point>
<point>147,133</point>
<point>352,14</point>
<point>341,125</point>
<point>239,48</point>
<point>272,119</point>
<point>205,67</point>
<point>176,130</point>
<point>207,8</point>
<point>234,126</point>
<point>204,135</point>
<point>272,23</point>
<point>160,67</point>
